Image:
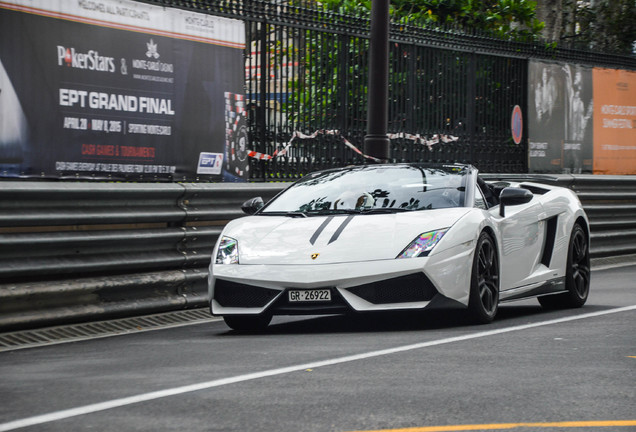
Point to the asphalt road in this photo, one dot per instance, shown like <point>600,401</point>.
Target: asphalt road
<point>529,370</point>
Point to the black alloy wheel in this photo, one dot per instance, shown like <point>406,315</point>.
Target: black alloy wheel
<point>484,284</point>
<point>577,274</point>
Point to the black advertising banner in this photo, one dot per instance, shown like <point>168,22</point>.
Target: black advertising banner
<point>560,117</point>
<point>117,89</point>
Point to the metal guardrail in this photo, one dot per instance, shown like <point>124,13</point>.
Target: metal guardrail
<point>611,207</point>
<point>73,252</point>
<point>77,251</point>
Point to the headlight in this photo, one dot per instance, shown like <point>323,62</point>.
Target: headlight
<point>228,251</point>
<point>423,244</point>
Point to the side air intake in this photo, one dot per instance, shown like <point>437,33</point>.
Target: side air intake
<point>550,238</point>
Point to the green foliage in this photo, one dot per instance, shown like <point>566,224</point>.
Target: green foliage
<point>601,25</point>
<point>329,85</point>
<point>330,78</point>
<point>347,7</point>
<point>608,26</point>
<point>505,19</point>
<point>330,88</point>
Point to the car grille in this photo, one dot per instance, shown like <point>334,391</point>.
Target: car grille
<point>232,294</point>
<point>412,288</point>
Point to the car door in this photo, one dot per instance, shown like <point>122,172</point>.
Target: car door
<point>521,242</point>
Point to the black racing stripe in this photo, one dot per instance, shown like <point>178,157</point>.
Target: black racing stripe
<point>341,228</point>
<point>322,226</point>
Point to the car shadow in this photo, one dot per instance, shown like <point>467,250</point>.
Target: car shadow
<point>402,321</point>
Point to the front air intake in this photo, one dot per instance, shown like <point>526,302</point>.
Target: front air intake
<point>232,294</point>
<point>412,288</point>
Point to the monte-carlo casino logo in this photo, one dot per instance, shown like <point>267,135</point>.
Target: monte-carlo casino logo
<point>152,62</point>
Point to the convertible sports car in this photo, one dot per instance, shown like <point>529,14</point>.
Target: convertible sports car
<point>397,237</point>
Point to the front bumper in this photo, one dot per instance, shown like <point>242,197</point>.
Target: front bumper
<point>363,286</point>
<point>406,292</point>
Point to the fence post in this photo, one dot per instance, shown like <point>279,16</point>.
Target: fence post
<point>376,142</point>
<point>471,87</point>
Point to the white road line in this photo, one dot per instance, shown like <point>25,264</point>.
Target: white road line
<point>92,408</point>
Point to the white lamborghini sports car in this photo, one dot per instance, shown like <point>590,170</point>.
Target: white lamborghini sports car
<point>400,237</point>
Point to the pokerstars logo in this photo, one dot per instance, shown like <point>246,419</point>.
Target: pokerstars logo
<point>90,60</point>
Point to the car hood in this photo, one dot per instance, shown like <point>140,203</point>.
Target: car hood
<point>333,239</point>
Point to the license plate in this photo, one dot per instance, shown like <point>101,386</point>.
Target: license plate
<point>309,295</point>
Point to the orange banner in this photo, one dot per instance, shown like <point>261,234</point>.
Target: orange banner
<point>614,121</point>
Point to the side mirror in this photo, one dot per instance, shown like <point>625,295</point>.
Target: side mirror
<point>253,205</point>
<point>513,196</point>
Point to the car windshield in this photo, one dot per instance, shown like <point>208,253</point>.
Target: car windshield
<point>373,189</point>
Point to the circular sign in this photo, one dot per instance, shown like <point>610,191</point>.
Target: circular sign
<point>516,124</point>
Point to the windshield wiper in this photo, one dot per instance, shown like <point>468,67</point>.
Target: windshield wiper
<point>299,214</point>
<point>294,214</point>
<point>384,210</point>
<point>377,210</point>
<point>332,212</point>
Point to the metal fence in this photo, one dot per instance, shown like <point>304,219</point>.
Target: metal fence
<point>87,251</point>
<point>308,79</point>
<point>306,71</point>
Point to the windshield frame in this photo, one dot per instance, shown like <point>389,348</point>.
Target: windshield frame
<point>467,174</point>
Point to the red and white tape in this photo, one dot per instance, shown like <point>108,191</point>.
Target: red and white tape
<point>417,139</point>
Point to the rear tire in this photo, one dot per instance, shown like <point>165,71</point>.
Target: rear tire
<point>577,274</point>
<point>483,302</point>
<point>247,323</point>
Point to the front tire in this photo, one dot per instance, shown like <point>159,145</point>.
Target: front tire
<point>577,274</point>
<point>247,323</point>
<point>483,302</point>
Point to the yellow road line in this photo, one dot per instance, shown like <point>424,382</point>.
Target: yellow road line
<point>495,426</point>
